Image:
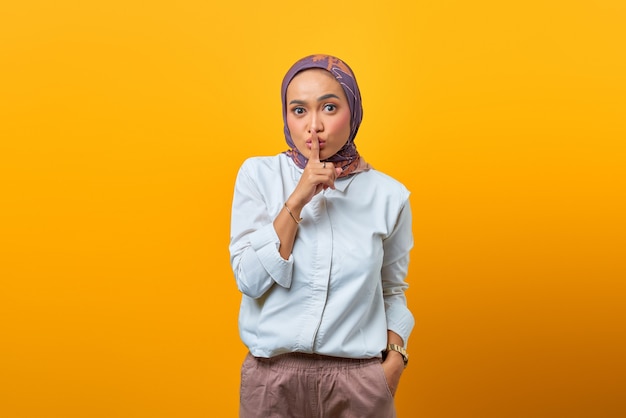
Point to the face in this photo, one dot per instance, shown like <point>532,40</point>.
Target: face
<point>316,101</point>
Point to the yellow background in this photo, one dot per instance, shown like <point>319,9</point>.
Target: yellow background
<point>122,126</point>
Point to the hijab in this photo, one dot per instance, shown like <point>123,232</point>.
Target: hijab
<point>347,157</point>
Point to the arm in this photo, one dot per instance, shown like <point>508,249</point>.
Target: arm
<point>393,366</point>
<point>253,241</point>
<point>316,177</point>
<point>260,246</point>
<point>395,267</point>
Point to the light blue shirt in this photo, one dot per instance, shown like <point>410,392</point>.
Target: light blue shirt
<point>343,286</point>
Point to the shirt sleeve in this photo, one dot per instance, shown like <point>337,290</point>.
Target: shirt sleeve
<point>254,255</point>
<point>394,271</point>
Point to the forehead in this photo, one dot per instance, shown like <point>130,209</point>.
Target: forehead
<point>314,80</point>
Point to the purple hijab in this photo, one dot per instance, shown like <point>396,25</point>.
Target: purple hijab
<point>347,157</point>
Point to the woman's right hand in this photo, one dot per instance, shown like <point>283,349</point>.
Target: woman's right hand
<point>317,176</point>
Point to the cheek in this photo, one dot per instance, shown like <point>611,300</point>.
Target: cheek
<point>292,125</point>
<point>342,124</point>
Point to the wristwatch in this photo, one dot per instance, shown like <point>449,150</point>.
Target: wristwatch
<point>401,350</point>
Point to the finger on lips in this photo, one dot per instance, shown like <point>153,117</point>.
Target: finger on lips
<point>315,147</point>
<point>314,157</point>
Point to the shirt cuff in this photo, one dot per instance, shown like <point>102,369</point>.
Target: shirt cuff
<point>265,243</point>
<point>401,321</point>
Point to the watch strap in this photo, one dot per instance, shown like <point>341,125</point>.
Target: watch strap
<point>401,350</point>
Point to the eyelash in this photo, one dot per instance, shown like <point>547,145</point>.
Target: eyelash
<point>300,110</point>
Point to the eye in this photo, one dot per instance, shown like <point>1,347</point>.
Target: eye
<point>329,107</point>
<point>298,110</point>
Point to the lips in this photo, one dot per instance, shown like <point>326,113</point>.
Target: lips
<point>322,144</point>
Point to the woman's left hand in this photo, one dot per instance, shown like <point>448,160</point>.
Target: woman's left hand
<point>393,366</point>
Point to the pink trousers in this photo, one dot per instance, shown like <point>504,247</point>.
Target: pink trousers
<point>313,386</point>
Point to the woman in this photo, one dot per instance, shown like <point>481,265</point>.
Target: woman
<point>320,249</point>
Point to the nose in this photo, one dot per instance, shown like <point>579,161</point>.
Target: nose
<point>315,123</point>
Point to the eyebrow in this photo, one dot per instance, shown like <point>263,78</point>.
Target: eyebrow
<point>319,99</point>
<point>327,96</point>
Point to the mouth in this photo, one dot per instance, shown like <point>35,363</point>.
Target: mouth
<point>322,144</point>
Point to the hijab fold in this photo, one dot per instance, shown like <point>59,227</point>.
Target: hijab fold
<point>347,157</point>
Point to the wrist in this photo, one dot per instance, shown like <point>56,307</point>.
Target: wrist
<point>296,218</point>
<point>294,206</point>
<point>398,352</point>
<point>395,357</point>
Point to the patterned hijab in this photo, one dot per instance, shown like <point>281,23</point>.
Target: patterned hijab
<point>347,157</point>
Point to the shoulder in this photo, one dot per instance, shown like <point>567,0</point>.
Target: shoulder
<point>260,162</point>
<point>261,166</point>
<point>383,184</point>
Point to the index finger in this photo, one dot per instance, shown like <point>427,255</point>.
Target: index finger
<point>315,148</point>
